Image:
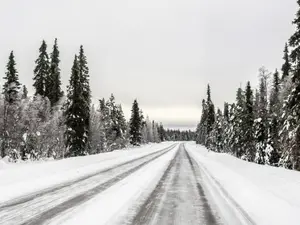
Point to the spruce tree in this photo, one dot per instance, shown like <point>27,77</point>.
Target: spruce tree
<point>291,155</point>
<point>41,71</point>
<point>261,123</point>
<point>53,82</point>
<point>248,149</point>
<point>202,126</point>
<point>286,67</point>
<point>210,115</point>
<point>75,115</point>
<point>85,82</point>
<point>10,90</point>
<point>24,92</point>
<point>273,148</point>
<point>135,124</point>
<point>237,118</point>
<point>226,111</point>
<point>12,85</point>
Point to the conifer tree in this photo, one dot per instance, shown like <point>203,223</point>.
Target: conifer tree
<point>237,118</point>
<point>226,111</point>
<point>75,118</point>
<point>273,148</point>
<point>135,124</point>
<point>210,115</point>
<point>261,123</point>
<point>202,126</point>
<point>53,82</point>
<point>10,90</point>
<point>291,155</point>
<point>24,92</point>
<point>247,126</point>
<point>217,133</point>
<point>12,85</point>
<point>41,71</point>
<point>286,67</point>
<point>85,82</point>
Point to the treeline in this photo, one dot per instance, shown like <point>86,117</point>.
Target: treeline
<point>177,135</point>
<point>262,125</point>
<point>54,124</point>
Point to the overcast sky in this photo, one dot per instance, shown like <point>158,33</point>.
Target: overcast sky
<point>162,52</point>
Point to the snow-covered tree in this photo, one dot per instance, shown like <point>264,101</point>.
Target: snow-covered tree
<point>11,112</point>
<point>41,71</point>
<point>286,67</point>
<point>75,115</point>
<point>273,146</point>
<point>53,82</point>
<point>135,124</point>
<point>291,155</point>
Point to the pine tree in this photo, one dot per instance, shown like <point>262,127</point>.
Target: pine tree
<point>202,126</point>
<point>135,124</point>
<point>217,133</point>
<point>10,90</point>
<point>210,115</point>
<point>85,82</point>
<point>12,85</point>
<point>273,147</point>
<point>237,118</point>
<point>286,67</point>
<point>248,148</point>
<point>261,123</point>
<point>24,92</point>
<point>226,111</point>
<point>41,71</point>
<point>53,82</point>
<point>75,115</point>
<point>291,155</point>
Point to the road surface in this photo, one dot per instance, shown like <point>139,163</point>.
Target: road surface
<point>175,195</point>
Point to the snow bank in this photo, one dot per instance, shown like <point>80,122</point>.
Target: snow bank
<point>267,194</point>
<point>25,178</point>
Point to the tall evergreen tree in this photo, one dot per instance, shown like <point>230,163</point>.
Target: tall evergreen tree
<point>261,123</point>
<point>202,126</point>
<point>210,114</point>
<point>12,85</point>
<point>75,115</point>
<point>273,148</point>
<point>237,118</point>
<point>286,67</point>
<point>135,124</point>
<point>85,82</point>
<point>53,82</point>
<point>247,127</point>
<point>291,155</point>
<point>10,90</point>
<point>24,92</point>
<point>41,71</point>
<point>226,111</point>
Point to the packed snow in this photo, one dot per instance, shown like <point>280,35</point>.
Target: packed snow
<point>268,195</point>
<point>242,193</point>
<point>35,176</point>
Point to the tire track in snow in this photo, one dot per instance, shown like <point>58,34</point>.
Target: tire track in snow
<point>42,215</point>
<point>241,215</point>
<point>178,197</point>
<point>32,196</point>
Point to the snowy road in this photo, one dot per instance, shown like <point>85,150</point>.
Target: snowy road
<point>179,197</point>
<point>39,207</point>
<point>161,186</point>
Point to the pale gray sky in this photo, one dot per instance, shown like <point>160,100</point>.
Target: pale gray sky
<point>163,52</point>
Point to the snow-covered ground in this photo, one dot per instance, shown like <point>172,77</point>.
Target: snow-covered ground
<point>167,183</point>
<point>266,195</point>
